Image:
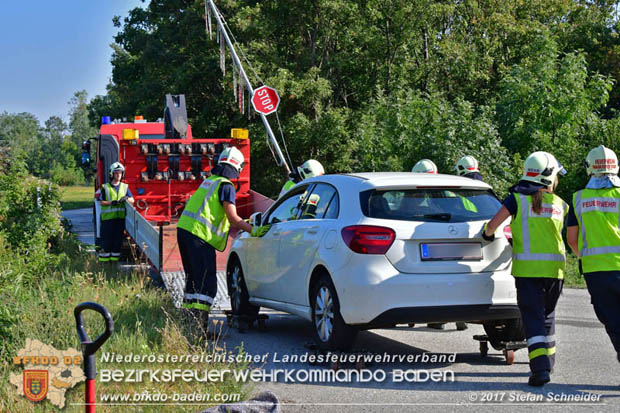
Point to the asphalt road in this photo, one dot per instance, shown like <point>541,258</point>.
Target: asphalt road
<point>586,376</point>
<point>585,365</point>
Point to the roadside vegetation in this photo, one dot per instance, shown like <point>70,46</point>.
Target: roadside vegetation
<point>45,273</point>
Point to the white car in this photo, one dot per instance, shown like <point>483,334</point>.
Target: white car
<point>369,250</point>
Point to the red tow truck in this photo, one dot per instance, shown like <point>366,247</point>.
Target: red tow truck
<point>164,165</point>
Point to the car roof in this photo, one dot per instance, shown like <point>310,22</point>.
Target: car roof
<point>369,180</point>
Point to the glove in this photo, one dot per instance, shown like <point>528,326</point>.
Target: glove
<point>123,199</point>
<point>114,203</point>
<point>486,237</point>
<point>259,231</point>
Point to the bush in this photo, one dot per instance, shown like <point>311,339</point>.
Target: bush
<point>63,176</point>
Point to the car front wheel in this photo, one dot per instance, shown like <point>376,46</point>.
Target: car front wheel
<point>238,292</point>
<point>330,330</point>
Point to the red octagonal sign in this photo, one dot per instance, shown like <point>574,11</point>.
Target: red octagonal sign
<point>265,100</point>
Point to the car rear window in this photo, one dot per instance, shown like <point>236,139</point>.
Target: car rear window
<point>430,204</point>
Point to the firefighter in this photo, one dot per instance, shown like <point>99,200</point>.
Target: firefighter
<point>425,166</point>
<point>112,196</point>
<point>308,169</point>
<point>538,255</point>
<point>467,166</point>
<point>594,236</point>
<point>203,228</point>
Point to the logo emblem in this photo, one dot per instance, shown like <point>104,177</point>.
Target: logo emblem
<point>36,384</point>
<point>452,230</point>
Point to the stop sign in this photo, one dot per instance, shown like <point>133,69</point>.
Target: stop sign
<point>265,100</point>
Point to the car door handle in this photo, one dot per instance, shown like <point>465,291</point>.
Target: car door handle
<point>313,230</point>
<point>275,231</point>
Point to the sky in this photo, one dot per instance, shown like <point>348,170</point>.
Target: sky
<point>49,49</point>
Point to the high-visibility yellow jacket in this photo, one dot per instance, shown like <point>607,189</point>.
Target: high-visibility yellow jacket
<point>598,214</point>
<point>113,211</point>
<point>538,249</point>
<point>204,214</point>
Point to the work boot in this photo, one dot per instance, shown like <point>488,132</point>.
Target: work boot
<point>539,378</point>
<point>436,326</point>
<point>460,325</point>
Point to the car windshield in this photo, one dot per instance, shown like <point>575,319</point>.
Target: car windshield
<point>430,204</point>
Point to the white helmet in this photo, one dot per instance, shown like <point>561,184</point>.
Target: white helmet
<point>233,157</point>
<point>425,166</point>
<point>116,166</point>
<point>542,168</point>
<point>466,165</point>
<point>601,160</point>
<point>310,168</point>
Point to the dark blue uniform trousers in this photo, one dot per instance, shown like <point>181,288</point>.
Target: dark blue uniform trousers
<point>198,259</point>
<point>604,288</point>
<point>537,298</point>
<point>112,237</point>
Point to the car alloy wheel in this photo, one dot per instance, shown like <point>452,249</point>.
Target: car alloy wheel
<point>331,332</point>
<point>235,293</point>
<point>324,314</point>
<point>238,292</point>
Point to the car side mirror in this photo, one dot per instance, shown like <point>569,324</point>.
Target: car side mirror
<point>256,218</point>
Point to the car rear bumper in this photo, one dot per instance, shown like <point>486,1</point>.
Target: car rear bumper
<point>468,313</point>
<point>371,290</point>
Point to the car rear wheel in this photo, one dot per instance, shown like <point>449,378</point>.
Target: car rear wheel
<point>238,292</point>
<point>330,330</point>
<point>504,331</point>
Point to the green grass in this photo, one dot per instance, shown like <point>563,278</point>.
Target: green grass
<point>75,197</point>
<point>145,321</point>
<point>572,278</point>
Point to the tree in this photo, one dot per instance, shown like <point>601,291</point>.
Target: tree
<point>547,104</point>
<point>17,133</point>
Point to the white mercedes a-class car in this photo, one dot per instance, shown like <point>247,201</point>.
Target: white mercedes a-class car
<point>373,250</point>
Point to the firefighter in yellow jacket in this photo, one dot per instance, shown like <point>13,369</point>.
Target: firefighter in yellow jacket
<point>203,228</point>
<point>594,235</point>
<point>112,196</point>
<point>308,169</point>
<point>538,255</point>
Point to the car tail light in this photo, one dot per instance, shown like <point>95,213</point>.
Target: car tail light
<point>368,239</point>
<point>508,232</point>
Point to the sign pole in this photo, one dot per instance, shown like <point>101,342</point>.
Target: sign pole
<point>274,142</point>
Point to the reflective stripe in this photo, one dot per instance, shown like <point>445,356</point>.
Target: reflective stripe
<point>601,204</point>
<point>551,351</point>
<point>578,211</point>
<point>211,186</point>
<point>537,353</point>
<point>104,254</point>
<point>539,257</point>
<point>115,254</point>
<point>546,211</point>
<point>550,339</point>
<point>599,250</point>
<point>115,209</point>
<point>113,259</point>
<point>536,339</point>
<point>104,259</point>
<point>200,297</point>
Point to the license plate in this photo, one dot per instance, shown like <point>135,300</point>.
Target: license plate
<point>451,251</point>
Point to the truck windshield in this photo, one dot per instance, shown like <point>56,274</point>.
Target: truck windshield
<point>430,204</point>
